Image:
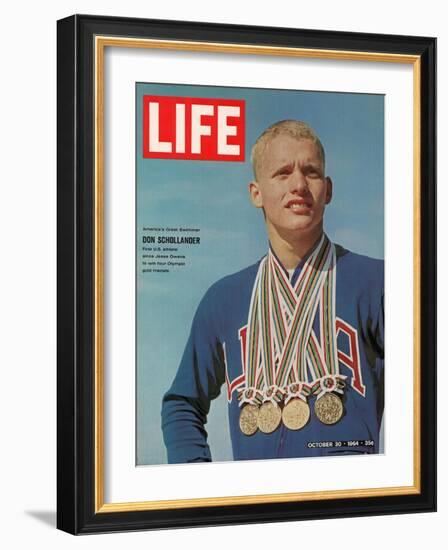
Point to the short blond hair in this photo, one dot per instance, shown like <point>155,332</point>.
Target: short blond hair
<point>293,128</point>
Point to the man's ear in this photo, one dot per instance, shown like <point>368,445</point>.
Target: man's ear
<point>255,194</point>
<point>329,191</point>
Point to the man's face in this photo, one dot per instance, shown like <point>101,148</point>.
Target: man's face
<point>292,188</point>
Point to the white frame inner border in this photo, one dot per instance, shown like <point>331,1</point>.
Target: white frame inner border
<point>123,481</point>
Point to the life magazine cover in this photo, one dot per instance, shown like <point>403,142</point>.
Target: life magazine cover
<point>259,273</point>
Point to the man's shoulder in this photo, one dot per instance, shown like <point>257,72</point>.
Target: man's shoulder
<point>233,286</point>
<point>360,265</point>
<point>237,280</point>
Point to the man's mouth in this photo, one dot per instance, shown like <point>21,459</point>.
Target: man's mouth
<point>297,205</point>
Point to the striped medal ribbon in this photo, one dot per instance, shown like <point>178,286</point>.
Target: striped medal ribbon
<point>280,321</point>
<point>322,360</point>
<point>296,309</point>
<point>251,396</point>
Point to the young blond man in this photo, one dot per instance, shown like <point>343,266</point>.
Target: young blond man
<point>296,339</point>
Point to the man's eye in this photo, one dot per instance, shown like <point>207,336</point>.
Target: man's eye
<point>312,173</point>
<point>283,173</point>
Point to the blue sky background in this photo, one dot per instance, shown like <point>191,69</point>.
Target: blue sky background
<point>214,197</point>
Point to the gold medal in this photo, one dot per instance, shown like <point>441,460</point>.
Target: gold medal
<point>295,414</point>
<point>269,417</point>
<point>329,408</point>
<point>248,419</point>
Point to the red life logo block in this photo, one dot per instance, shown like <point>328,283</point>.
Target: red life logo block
<point>188,128</point>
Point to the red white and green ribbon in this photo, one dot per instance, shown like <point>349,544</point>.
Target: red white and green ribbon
<point>323,360</point>
<point>280,339</point>
<point>306,292</point>
<point>251,393</point>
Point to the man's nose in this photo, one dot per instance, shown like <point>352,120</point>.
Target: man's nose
<point>298,181</point>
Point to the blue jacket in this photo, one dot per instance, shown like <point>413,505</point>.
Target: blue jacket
<point>213,360</point>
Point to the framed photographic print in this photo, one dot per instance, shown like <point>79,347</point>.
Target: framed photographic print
<point>246,274</point>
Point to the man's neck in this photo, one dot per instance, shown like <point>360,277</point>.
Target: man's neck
<point>292,252</point>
